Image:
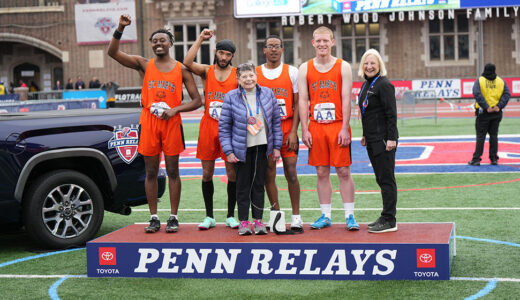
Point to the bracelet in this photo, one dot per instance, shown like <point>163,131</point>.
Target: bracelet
<point>117,35</point>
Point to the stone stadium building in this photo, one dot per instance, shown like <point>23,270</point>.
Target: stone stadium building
<point>40,40</point>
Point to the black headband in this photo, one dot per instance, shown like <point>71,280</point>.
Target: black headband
<point>226,45</point>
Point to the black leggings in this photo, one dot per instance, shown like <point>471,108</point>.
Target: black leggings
<point>250,182</point>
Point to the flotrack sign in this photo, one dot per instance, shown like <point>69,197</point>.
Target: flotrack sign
<point>270,261</point>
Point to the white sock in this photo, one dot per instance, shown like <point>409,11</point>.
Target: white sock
<point>325,209</point>
<point>349,209</point>
<point>154,216</point>
<point>296,219</point>
<point>171,215</point>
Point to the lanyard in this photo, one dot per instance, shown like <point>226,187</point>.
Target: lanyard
<point>365,102</point>
<point>248,106</point>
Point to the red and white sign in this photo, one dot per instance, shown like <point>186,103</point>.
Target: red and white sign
<point>425,258</point>
<point>107,256</point>
<point>95,23</point>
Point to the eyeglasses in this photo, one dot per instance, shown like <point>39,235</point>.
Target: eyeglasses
<point>275,47</point>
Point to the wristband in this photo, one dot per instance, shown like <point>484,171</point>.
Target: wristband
<point>117,35</point>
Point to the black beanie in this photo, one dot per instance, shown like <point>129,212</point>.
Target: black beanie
<point>226,45</point>
<point>489,72</point>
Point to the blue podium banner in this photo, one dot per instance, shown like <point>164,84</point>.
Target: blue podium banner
<point>417,252</point>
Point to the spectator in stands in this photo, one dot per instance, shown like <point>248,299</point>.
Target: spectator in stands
<point>33,87</point>
<point>110,88</point>
<point>70,84</point>
<point>491,94</point>
<point>21,83</point>
<point>94,83</point>
<point>2,88</point>
<point>58,86</point>
<point>80,85</point>
<point>11,87</point>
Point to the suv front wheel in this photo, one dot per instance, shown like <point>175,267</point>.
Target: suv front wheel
<point>63,209</point>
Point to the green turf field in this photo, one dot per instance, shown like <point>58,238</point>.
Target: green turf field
<point>484,210</point>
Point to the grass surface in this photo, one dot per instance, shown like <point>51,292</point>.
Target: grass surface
<point>475,259</point>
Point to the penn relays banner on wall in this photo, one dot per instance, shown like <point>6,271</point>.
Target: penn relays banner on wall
<point>95,23</point>
<point>260,8</point>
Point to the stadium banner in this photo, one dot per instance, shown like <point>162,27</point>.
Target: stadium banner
<point>46,105</point>
<point>264,8</point>
<point>100,95</point>
<point>513,83</point>
<point>418,251</point>
<point>128,97</point>
<point>96,22</point>
<point>487,3</point>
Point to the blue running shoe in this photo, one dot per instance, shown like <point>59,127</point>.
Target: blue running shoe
<point>322,222</point>
<point>351,223</point>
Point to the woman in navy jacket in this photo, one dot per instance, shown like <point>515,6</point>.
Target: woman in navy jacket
<point>249,131</point>
<point>379,118</point>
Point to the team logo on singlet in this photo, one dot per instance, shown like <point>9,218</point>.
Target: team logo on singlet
<point>125,141</point>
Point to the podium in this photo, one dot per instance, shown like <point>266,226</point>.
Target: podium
<point>417,251</point>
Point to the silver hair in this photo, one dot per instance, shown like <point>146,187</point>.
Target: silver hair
<point>245,67</point>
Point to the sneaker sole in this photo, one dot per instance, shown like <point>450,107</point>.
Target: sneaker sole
<point>206,228</point>
<point>313,227</point>
<point>172,230</point>
<point>261,233</point>
<point>245,233</point>
<point>234,227</point>
<point>353,228</point>
<point>297,229</point>
<point>151,230</point>
<point>383,231</point>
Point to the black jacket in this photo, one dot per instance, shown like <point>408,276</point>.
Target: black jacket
<point>380,117</point>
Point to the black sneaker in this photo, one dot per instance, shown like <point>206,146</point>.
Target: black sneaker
<point>374,223</point>
<point>494,162</point>
<point>382,226</point>
<point>474,162</point>
<point>154,226</point>
<point>172,225</point>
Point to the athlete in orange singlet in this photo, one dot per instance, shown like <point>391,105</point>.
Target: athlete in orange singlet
<point>162,131</point>
<point>218,79</point>
<point>327,82</point>
<point>283,80</point>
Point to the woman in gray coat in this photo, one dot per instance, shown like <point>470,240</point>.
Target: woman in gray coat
<point>249,131</point>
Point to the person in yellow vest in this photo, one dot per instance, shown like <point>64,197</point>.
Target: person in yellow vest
<point>491,94</point>
<point>2,88</point>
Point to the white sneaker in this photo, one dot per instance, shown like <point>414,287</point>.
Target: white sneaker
<point>296,225</point>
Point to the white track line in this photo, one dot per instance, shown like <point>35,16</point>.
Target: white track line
<point>357,209</point>
<point>486,279</point>
<point>38,276</point>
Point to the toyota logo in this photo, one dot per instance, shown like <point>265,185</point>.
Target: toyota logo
<point>107,256</point>
<point>425,257</point>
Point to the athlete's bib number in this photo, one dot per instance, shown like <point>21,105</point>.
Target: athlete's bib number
<point>324,112</point>
<point>215,107</point>
<point>283,109</point>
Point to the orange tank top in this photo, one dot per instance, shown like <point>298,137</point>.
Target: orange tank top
<point>161,87</point>
<point>214,92</point>
<point>282,88</point>
<point>325,93</point>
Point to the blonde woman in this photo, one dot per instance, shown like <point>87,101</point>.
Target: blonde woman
<point>379,118</point>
